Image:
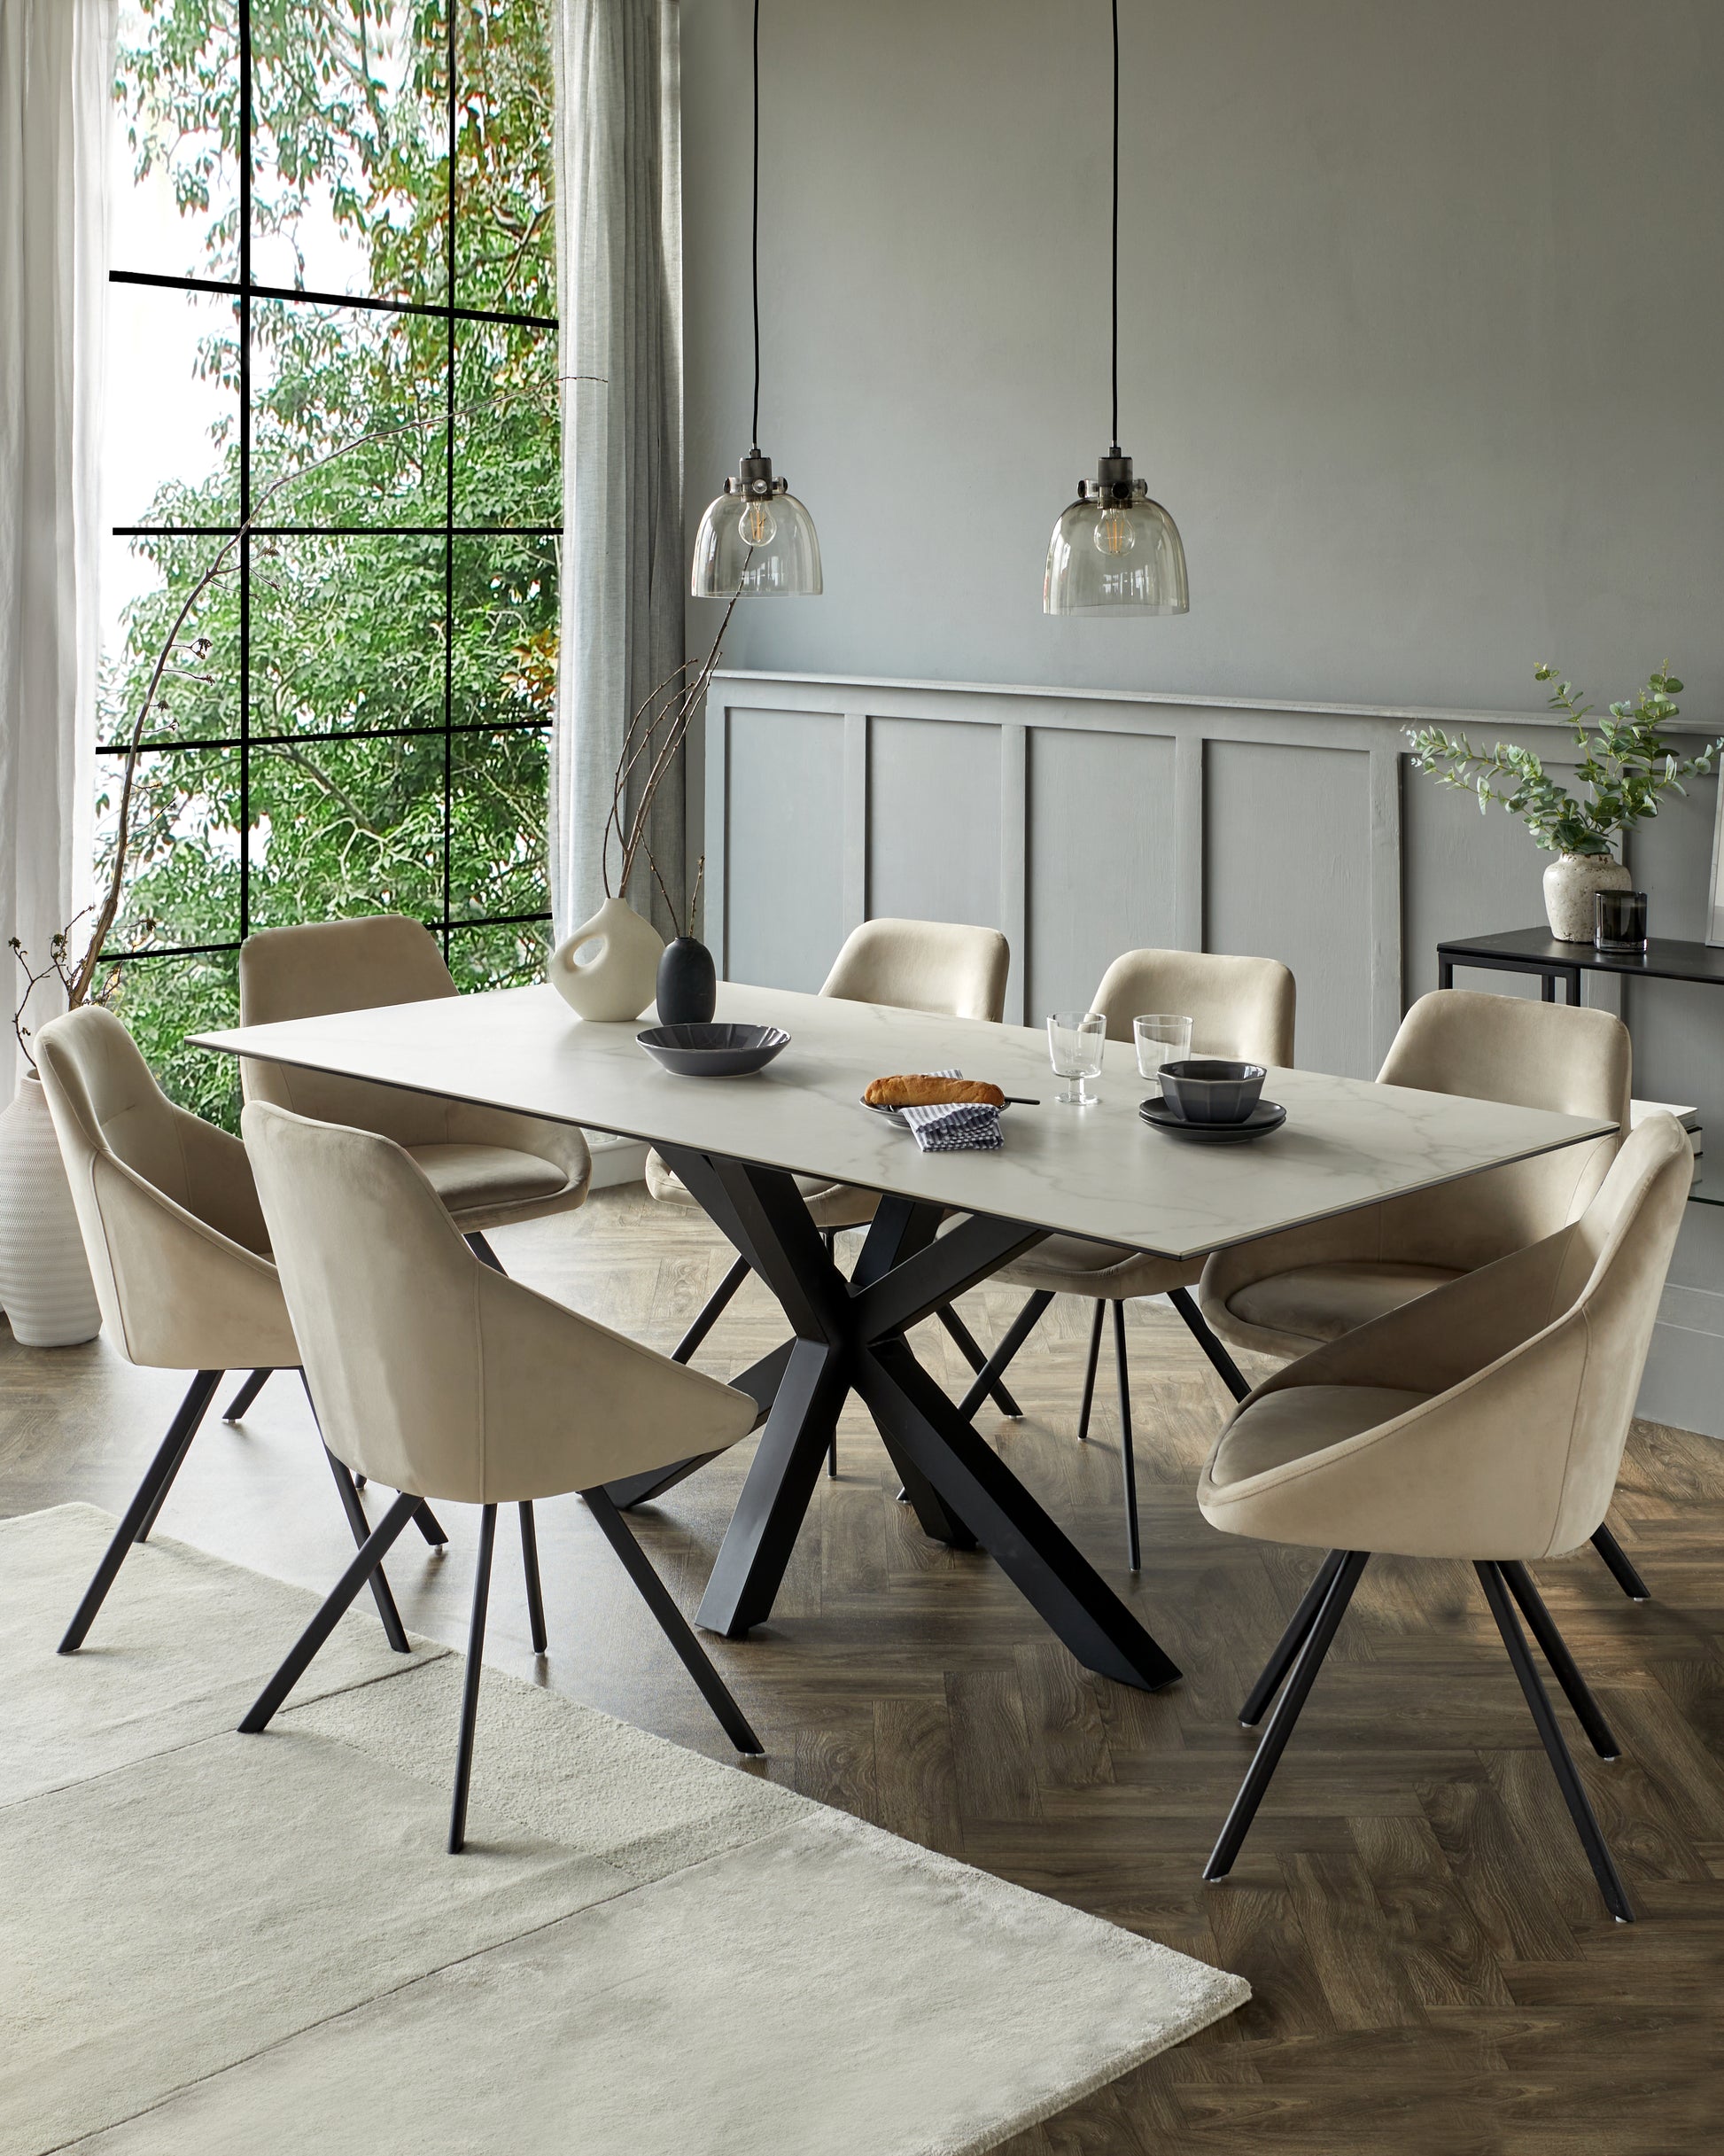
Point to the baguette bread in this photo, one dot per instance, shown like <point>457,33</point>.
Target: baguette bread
<point>916,1090</point>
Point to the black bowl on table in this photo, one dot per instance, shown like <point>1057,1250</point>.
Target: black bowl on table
<point>713,1051</point>
<point>1205,1089</point>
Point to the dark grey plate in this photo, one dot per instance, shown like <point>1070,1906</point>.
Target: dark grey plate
<point>896,1115</point>
<point>713,1051</point>
<point>1266,1116</point>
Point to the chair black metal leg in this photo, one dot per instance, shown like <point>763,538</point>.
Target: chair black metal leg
<point>248,1393</point>
<point>1542,1626</point>
<point>1225,1368</point>
<point>1304,1618</point>
<point>970,1348</point>
<point>429,1527</point>
<point>483,1251</point>
<point>146,1503</point>
<point>1133,1551</point>
<point>393,1629</point>
<point>1598,1855</point>
<point>1622,1570</point>
<point>715,1307</point>
<point>1090,1372</point>
<point>300,1656</point>
<point>1274,1740</point>
<point>535,1594</point>
<point>1020,1329</point>
<point>674,1625</point>
<point>470,1689</point>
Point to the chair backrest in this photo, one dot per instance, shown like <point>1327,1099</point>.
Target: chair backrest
<point>331,966</point>
<point>168,1212</point>
<point>1240,1008</point>
<point>938,966</point>
<point>434,1373</point>
<point>1575,1061</point>
<point>1610,1279</point>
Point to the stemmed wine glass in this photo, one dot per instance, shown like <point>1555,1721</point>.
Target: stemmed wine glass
<point>1075,1042</point>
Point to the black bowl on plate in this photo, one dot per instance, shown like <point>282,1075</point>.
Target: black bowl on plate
<point>1202,1090</point>
<point>713,1051</point>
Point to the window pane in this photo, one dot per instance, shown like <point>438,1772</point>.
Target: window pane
<point>145,582</point>
<point>181,879</point>
<point>176,120</point>
<point>164,999</point>
<point>353,405</point>
<point>507,439</point>
<point>346,634</point>
<point>350,187</point>
<point>505,622</point>
<point>497,816</point>
<point>500,957</point>
<point>171,451</point>
<point>505,240</point>
<point>344,827</point>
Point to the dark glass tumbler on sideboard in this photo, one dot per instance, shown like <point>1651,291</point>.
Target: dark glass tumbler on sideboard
<point>1619,922</point>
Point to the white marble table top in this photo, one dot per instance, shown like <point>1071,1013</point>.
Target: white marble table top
<point>1097,1172</point>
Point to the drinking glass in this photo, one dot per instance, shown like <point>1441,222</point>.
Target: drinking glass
<point>1161,1037</point>
<point>1075,1042</point>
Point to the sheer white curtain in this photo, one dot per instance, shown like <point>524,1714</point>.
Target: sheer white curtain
<point>619,267</point>
<point>56,76</point>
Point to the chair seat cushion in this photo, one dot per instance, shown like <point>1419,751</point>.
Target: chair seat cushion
<point>1066,1265</point>
<point>467,1177</point>
<point>1300,1419</point>
<point>831,1204</point>
<point>1319,1303</point>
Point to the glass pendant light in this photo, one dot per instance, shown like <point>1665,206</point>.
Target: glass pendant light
<point>1114,551</point>
<point>756,540</point>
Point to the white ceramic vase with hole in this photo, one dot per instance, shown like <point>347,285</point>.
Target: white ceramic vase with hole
<point>619,977</point>
<point>45,1287</point>
<point>1571,883</point>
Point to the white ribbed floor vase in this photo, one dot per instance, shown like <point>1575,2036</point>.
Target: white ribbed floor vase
<point>212,1944</point>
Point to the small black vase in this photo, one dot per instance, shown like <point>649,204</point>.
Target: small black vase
<point>688,984</point>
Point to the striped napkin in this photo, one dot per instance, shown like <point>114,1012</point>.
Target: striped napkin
<point>955,1126</point>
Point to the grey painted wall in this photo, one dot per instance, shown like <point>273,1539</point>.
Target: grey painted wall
<point>1422,311</point>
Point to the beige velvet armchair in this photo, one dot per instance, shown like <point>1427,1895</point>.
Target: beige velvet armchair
<point>1286,1294</point>
<point>1240,1008</point>
<point>490,1167</point>
<point>438,1375</point>
<point>179,1253</point>
<point>942,966</point>
<point>1484,1421</point>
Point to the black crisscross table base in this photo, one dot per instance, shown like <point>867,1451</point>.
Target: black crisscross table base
<point>849,1336</point>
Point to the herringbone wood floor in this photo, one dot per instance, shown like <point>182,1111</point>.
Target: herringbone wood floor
<point>1433,1969</point>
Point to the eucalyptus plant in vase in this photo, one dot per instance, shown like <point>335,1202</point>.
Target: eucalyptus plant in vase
<point>1626,766</point>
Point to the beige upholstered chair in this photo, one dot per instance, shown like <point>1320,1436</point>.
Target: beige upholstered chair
<point>1241,1009</point>
<point>1286,1294</point>
<point>490,1168</point>
<point>942,967</point>
<point>177,1248</point>
<point>436,1374</point>
<point>1484,1421</point>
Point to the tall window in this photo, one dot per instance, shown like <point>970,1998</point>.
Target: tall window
<point>334,268</point>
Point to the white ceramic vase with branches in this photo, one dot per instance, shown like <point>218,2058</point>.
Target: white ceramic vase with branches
<point>617,976</point>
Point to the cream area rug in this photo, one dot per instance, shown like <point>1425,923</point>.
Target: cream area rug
<point>211,1942</point>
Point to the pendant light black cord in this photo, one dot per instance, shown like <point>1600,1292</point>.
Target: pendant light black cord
<point>1115,437</point>
<point>754,232</point>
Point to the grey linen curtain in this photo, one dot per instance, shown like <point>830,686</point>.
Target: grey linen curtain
<point>619,267</point>
<point>56,78</point>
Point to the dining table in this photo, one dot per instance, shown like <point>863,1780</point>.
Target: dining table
<point>745,1147</point>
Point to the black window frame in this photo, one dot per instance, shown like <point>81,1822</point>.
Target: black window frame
<point>244,292</point>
